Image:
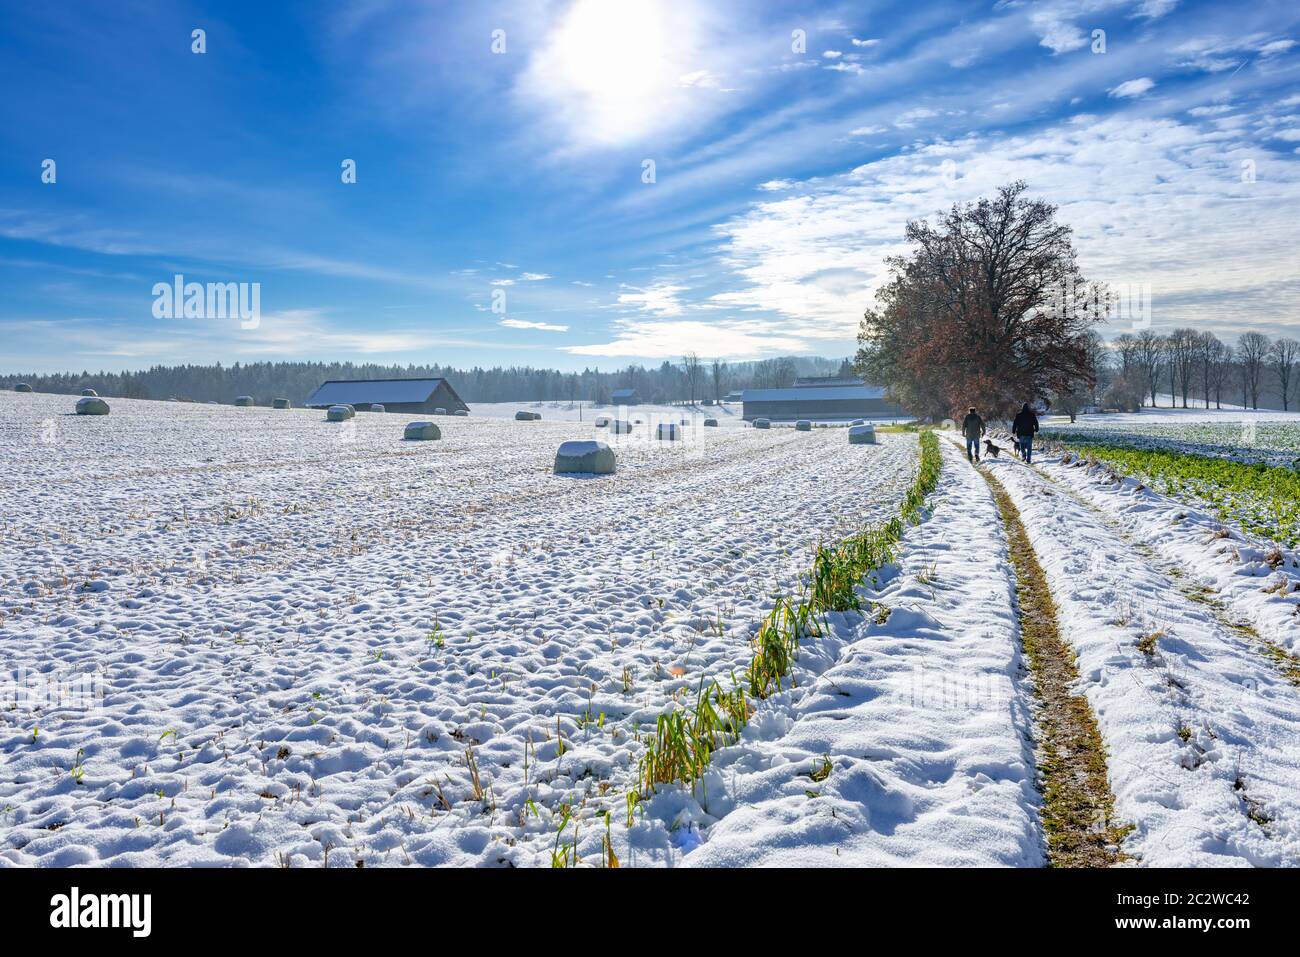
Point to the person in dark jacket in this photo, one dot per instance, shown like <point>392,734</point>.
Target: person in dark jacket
<point>1023,428</point>
<point>972,427</point>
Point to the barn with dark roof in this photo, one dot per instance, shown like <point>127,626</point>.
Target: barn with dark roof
<point>395,395</point>
<point>826,401</point>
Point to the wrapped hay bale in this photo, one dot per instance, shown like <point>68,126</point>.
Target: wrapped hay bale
<point>585,457</point>
<point>377,407</point>
<point>340,413</point>
<point>668,431</point>
<point>858,422</point>
<point>710,423</point>
<point>602,422</point>
<point>90,392</point>
<point>803,425</point>
<point>762,424</point>
<point>280,403</point>
<point>522,416</point>
<point>244,401</point>
<point>421,431</point>
<point>463,413</point>
<point>439,411</point>
<point>620,427</point>
<point>862,435</point>
<point>91,405</point>
<point>22,387</point>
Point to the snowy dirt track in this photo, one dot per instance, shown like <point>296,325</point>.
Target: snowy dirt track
<point>1201,730</point>
<point>316,638</point>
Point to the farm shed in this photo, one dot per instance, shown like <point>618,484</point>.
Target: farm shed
<point>824,403</point>
<point>395,395</point>
<point>624,397</point>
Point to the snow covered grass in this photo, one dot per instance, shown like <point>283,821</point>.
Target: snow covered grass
<point>1199,728</point>
<point>1267,438</point>
<point>1078,807</point>
<point>314,643</point>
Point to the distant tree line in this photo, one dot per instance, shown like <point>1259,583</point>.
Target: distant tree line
<point>1195,367</point>
<point>690,379</point>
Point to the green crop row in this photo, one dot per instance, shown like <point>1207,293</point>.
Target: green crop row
<point>1261,499</point>
<point>684,741</point>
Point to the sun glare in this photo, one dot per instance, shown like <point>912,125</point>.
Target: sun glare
<point>615,68</point>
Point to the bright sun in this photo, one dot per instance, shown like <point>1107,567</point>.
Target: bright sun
<point>614,69</point>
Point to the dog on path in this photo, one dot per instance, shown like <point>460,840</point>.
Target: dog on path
<point>991,449</point>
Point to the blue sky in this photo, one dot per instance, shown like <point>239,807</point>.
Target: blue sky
<point>783,177</point>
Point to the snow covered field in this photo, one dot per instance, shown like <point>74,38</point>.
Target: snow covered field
<point>1245,436</point>
<point>313,635</point>
<point>283,641</point>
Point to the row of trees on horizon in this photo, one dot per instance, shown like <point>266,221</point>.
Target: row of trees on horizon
<point>691,379</point>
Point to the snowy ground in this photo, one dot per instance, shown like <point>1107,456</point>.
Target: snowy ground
<point>1201,729</point>
<point>300,628</point>
<point>1272,438</point>
<point>297,639</point>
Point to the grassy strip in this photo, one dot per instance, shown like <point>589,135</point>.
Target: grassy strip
<point>1078,807</point>
<point>1263,499</point>
<point>684,741</point>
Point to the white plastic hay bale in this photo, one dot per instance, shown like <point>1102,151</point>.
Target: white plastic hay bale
<point>463,413</point>
<point>421,431</point>
<point>762,423</point>
<point>710,423</point>
<point>340,413</point>
<point>377,407</point>
<point>244,401</point>
<point>858,422</point>
<point>280,402</point>
<point>91,405</point>
<point>602,422</point>
<point>803,425</point>
<point>620,427</point>
<point>439,411</point>
<point>585,457</point>
<point>862,435</point>
<point>537,416</point>
<point>22,387</point>
<point>90,392</point>
<point>668,431</point>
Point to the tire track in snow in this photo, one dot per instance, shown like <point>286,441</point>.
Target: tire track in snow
<point>1202,734</point>
<point>1078,807</point>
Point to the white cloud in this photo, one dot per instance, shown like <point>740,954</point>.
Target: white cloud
<point>1154,9</point>
<point>832,54</point>
<point>776,185</point>
<point>728,339</point>
<point>1132,88</point>
<point>525,324</point>
<point>533,276</point>
<point>659,299</point>
<point>865,43</point>
<point>1150,200</point>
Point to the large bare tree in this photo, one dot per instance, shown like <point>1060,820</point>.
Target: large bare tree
<point>989,309</point>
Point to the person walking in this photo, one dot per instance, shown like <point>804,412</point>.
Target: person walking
<point>973,428</point>
<point>1023,428</point>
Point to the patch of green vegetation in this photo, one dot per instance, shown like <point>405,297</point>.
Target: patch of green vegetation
<point>1262,499</point>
